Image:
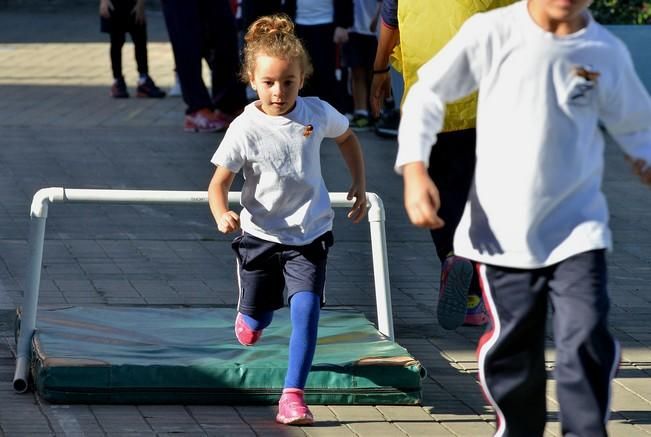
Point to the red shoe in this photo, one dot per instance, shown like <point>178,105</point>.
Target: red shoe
<point>292,409</point>
<point>245,335</point>
<point>203,120</point>
<point>456,274</point>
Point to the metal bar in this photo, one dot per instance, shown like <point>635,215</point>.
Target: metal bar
<point>376,220</point>
<point>45,196</point>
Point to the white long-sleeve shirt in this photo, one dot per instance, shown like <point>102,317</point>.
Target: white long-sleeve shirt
<point>536,197</point>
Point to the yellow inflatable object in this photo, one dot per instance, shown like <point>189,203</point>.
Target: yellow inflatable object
<point>425,27</point>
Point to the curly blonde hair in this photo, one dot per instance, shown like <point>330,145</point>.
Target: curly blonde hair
<point>274,36</point>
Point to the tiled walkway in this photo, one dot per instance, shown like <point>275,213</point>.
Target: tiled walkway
<point>58,127</point>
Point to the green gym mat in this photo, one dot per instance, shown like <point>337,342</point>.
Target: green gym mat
<point>120,355</point>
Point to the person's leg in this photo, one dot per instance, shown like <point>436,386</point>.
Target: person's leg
<point>357,61</point>
<point>117,42</point>
<point>323,52</point>
<point>119,87</point>
<point>260,284</point>
<point>183,27</point>
<point>146,85</point>
<point>304,272</point>
<point>511,354</point>
<point>221,51</point>
<point>139,38</point>
<point>587,355</point>
<point>305,307</point>
<point>360,93</point>
<point>452,167</point>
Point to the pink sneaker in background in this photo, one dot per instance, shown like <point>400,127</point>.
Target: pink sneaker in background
<point>203,120</point>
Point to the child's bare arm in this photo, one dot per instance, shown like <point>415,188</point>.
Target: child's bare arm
<point>227,220</point>
<point>352,153</point>
<point>422,200</point>
<point>381,83</point>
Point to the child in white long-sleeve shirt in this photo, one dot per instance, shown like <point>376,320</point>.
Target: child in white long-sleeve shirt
<point>536,220</point>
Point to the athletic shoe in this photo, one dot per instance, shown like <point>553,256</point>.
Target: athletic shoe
<point>225,117</point>
<point>245,335</point>
<point>476,314</point>
<point>203,120</point>
<point>292,409</point>
<point>456,274</point>
<point>360,123</point>
<point>387,125</point>
<point>119,89</point>
<point>149,89</point>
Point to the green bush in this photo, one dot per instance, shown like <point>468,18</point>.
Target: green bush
<point>622,11</point>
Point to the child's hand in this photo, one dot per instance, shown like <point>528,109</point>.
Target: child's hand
<point>422,200</point>
<point>228,222</point>
<point>340,36</point>
<point>139,11</point>
<point>105,8</point>
<point>358,210</point>
<point>642,169</point>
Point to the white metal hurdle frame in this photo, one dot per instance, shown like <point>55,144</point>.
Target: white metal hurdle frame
<point>45,196</point>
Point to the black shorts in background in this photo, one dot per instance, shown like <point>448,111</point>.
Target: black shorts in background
<point>359,51</point>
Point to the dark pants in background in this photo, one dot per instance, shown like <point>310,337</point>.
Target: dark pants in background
<point>122,21</point>
<point>452,168</point>
<point>205,29</point>
<point>254,9</point>
<point>323,54</point>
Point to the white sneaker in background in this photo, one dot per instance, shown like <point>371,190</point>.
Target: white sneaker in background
<point>175,91</point>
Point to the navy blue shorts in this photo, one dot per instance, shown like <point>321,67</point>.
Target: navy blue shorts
<point>266,268</point>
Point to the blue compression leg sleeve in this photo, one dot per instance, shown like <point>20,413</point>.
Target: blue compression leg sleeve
<point>305,307</point>
<point>260,322</point>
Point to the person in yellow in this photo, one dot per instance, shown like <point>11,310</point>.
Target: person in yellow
<point>412,32</point>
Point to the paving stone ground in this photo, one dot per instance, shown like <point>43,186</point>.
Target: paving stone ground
<point>58,127</point>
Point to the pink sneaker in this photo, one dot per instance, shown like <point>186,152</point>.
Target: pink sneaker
<point>292,409</point>
<point>203,120</point>
<point>456,274</point>
<point>476,314</point>
<point>245,335</point>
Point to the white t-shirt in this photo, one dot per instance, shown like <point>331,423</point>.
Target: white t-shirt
<point>536,198</point>
<point>284,197</point>
<point>313,12</point>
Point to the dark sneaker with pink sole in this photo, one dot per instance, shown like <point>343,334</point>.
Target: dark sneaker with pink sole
<point>456,274</point>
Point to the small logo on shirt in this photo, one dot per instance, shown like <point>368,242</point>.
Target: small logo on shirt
<point>583,81</point>
<point>308,130</point>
